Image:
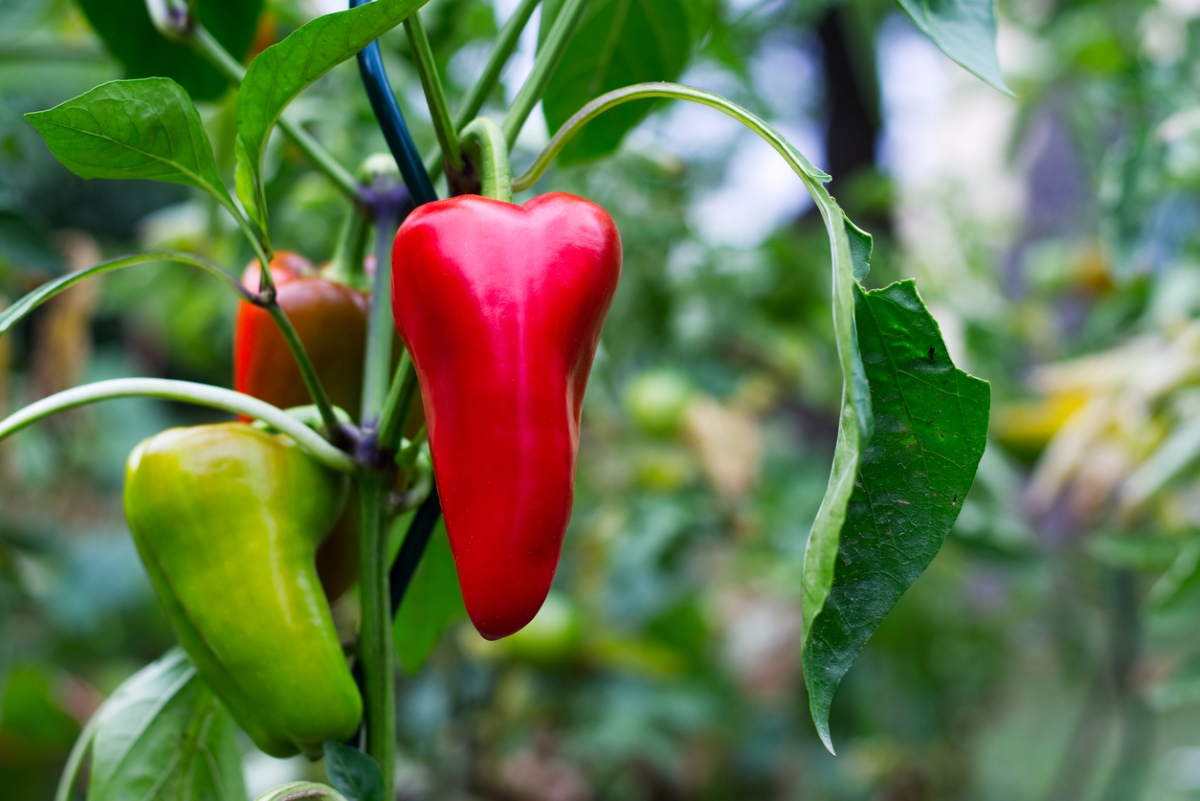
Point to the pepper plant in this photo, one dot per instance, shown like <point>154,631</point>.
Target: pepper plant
<point>499,310</point>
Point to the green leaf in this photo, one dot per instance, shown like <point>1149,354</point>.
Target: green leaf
<point>619,42</point>
<point>432,602</point>
<point>130,35</point>
<point>284,70</point>
<point>355,774</point>
<point>145,128</point>
<point>930,429</point>
<point>965,30</point>
<point>164,735</point>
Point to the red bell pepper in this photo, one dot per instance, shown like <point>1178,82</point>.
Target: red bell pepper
<point>501,307</point>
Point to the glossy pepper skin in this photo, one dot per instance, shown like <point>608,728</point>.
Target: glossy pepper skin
<point>227,519</point>
<point>501,307</point>
<point>331,320</point>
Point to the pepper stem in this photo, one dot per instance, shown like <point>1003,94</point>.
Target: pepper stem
<point>486,144</point>
<point>375,638</point>
<point>346,266</point>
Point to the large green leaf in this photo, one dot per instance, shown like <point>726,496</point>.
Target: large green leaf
<point>284,70</point>
<point>144,128</point>
<point>930,425</point>
<point>619,42</point>
<point>130,35</point>
<point>163,736</point>
<point>432,602</point>
<point>965,30</point>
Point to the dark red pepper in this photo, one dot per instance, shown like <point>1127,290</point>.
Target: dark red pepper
<point>501,307</point>
<point>329,317</point>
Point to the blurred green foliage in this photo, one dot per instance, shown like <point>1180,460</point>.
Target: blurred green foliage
<point>1047,653</point>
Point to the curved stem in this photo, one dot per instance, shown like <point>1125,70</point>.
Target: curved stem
<point>435,95</point>
<point>187,392</point>
<point>506,43</point>
<point>676,91</point>
<point>307,371</point>
<point>204,42</point>
<point>854,382</point>
<point>550,53</point>
<point>20,309</point>
<point>487,143</point>
<point>375,650</point>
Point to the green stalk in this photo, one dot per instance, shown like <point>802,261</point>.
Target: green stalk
<point>490,150</point>
<point>22,307</point>
<point>549,55</point>
<point>506,43</point>
<point>187,392</point>
<point>375,639</point>
<point>346,266</point>
<point>234,72</point>
<point>258,240</point>
<point>307,371</point>
<point>435,95</point>
<point>380,326</point>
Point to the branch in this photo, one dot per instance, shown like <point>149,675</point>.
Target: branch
<point>187,392</point>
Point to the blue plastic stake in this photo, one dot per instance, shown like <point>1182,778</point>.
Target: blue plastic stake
<point>391,121</point>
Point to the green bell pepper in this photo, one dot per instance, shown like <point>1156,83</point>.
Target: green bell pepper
<point>227,519</point>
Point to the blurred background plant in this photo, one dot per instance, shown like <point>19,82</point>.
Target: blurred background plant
<point>1047,653</point>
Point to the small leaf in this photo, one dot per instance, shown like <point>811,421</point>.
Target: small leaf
<point>432,602</point>
<point>912,479</point>
<point>355,774</point>
<point>130,35</point>
<point>965,30</point>
<point>619,42</point>
<point>164,736</point>
<point>284,70</point>
<point>145,128</point>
